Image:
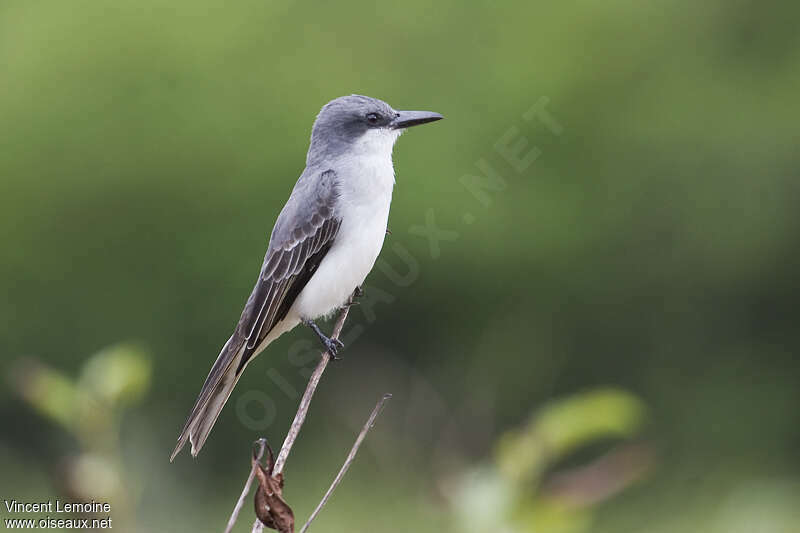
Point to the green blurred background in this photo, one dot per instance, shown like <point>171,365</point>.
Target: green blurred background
<point>605,338</point>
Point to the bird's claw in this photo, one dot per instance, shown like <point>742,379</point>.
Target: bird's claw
<point>358,292</point>
<point>332,346</point>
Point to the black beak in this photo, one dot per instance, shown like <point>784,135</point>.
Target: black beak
<point>406,119</point>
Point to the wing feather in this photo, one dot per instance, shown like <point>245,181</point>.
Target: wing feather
<point>302,236</point>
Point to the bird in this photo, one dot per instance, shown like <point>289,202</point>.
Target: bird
<point>325,241</point>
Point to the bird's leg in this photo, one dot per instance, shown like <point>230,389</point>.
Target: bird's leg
<point>331,345</point>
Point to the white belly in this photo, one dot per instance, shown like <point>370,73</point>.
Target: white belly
<point>343,268</point>
<point>366,193</point>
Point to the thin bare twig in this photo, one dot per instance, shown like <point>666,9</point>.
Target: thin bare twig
<point>262,445</point>
<point>305,401</point>
<point>350,457</point>
<point>297,423</point>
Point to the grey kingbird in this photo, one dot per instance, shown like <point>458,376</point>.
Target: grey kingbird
<point>324,243</point>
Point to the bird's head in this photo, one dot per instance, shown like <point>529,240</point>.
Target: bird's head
<point>359,124</point>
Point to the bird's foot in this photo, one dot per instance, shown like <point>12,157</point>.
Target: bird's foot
<point>332,346</point>
<point>358,292</point>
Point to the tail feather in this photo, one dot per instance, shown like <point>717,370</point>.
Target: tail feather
<point>215,392</point>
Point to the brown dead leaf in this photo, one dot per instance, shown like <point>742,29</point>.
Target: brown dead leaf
<point>271,509</point>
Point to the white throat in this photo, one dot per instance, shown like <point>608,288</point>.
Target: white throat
<point>376,143</point>
<point>366,170</point>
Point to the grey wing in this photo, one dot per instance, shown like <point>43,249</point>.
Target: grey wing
<point>303,234</point>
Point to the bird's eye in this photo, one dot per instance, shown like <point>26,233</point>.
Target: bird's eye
<point>373,118</point>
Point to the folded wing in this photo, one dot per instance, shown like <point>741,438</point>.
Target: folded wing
<point>304,232</point>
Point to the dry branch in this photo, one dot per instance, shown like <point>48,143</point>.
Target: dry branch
<point>350,457</point>
<point>276,469</point>
<point>262,445</point>
<point>305,401</point>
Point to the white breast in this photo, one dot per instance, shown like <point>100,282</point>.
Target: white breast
<point>366,178</point>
